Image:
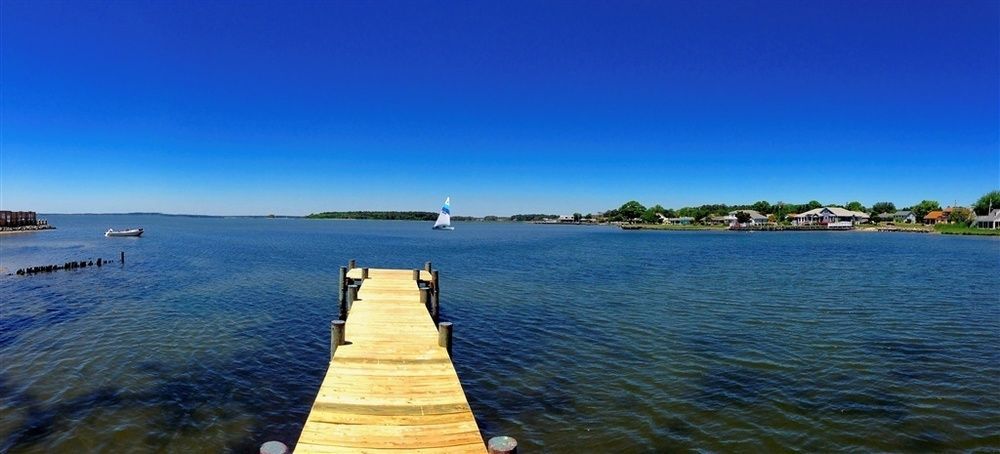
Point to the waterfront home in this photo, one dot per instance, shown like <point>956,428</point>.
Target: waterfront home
<point>831,215</point>
<point>683,220</point>
<point>755,218</point>
<point>899,217</point>
<point>936,217</point>
<point>989,221</point>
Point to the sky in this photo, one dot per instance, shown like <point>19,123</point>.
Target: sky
<point>507,107</point>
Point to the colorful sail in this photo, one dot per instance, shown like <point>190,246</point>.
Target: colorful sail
<point>444,217</point>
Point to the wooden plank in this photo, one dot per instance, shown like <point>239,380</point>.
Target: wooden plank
<point>391,388</point>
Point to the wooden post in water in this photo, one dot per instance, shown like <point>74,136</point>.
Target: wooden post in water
<point>351,264</point>
<point>444,336</point>
<point>336,335</point>
<point>435,283</point>
<point>502,445</point>
<point>416,275</point>
<point>364,273</point>
<point>427,267</point>
<point>352,295</point>
<point>274,447</point>
<point>123,256</point>
<point>425,297</point>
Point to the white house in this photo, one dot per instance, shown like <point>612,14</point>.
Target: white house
<point>755,217</point>
<point>989,221</point>
<point>830,215</point>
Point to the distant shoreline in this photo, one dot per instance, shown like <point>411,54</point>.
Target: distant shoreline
<point>26,229</point>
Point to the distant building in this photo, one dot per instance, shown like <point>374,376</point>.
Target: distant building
<point>755,218</point>
<point>830,215</point>
<point>989,221</point>
<point>899,217</point>
<point>936,217</point>
<point>17,218</point>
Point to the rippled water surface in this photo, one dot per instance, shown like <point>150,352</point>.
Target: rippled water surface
<point>214,335</point>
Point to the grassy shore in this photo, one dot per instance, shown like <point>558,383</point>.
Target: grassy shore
<point>679,227</point>
<point>957,229</point>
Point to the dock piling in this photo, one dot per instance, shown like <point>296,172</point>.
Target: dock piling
<point>444,336</point>
<point>416,275</point>
<point>364,273</point>
<point>123,257</point>
<point>274,447</point>
<point>336,335</point>
<point>502,445</point>
<point>424,297</point>
<point>427,267</point>
<point>351,264</point>
<point>352,295</point>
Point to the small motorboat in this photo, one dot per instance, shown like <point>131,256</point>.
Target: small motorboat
<point>128,232</point>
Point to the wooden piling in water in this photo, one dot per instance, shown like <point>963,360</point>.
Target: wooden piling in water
<point>123,257</point>
<point>502,445</point>
<point>444,336</point>
<point>427,267</point>
<point>416,275</point>
<point>274,447</point>
<point>336,335</point>
<point>352,295</point>
<point>364,273</point>
<point>351,264</point>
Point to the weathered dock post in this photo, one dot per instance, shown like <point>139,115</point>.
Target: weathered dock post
<point>351,264</point>
<point>416,275</point>
<point>435,296</point>
<point>342,294</point>
<point>364,273</point>
<point>274,447</point>
<point>425,297</point>
<point>352,294</point>
<point>444,336</point>
<point>502,445</point>
<point>427,267</point>
<point>123,257</point>
<point>336,335</point>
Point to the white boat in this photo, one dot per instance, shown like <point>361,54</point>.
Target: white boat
<point>129,232</point>
<point>444,217</point>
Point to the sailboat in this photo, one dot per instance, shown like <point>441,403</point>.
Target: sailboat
<point>444,217</point>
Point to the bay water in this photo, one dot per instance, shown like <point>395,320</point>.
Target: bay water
<point>214,334</point>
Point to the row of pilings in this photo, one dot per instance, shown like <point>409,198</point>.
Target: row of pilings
<point>32,270</point>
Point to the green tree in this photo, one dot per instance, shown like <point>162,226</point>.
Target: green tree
<point>577,217</point>
<point>650,217</point>
<point>762,207</point>
<point>883,207</point>
<point>855,206</point>
<point>960,215</point>
<point>925,206</point>
<point>743,217</point>
<point>986,202</point>
<point>812,205</point>
<point>631,210</point>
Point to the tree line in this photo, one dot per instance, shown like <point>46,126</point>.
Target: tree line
<point>633,210</point>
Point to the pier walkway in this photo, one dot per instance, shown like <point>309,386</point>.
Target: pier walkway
<point>390,386</point>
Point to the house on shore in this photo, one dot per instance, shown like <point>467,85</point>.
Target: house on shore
<point>989,221</point>
<point>831,216</point>
<point>755,218</point>
<point>899,217</point>
<point>936,217</point>
<point>683,220</point>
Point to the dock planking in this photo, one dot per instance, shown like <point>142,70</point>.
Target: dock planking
<point>390,387</point>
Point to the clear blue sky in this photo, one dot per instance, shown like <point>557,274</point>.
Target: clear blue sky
<point>508,107</point>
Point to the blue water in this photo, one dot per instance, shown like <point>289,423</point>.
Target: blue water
<point>214,335</point>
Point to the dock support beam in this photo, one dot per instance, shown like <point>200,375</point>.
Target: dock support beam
<point>425,297</point>
<point>427,267</point>
<point>502,445</point>
<point>342,292</point>
<point>123,256</point>
<point>364,273</point>
<point>336,335</point>
<point>416,275</point>
<point>351,264</point>
<point>444,336</point>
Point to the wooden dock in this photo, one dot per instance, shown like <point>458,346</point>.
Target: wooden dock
<point>391,385</point>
